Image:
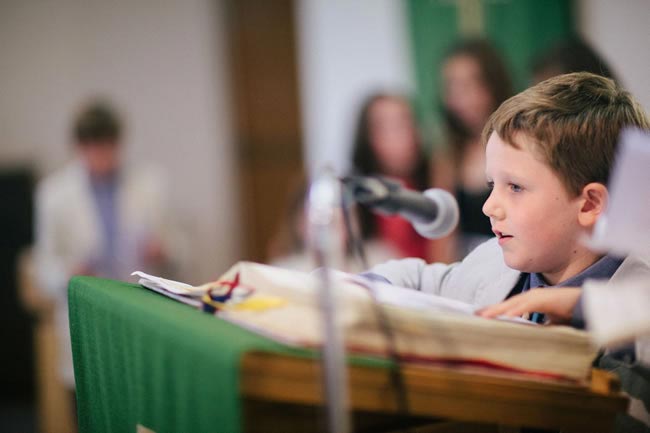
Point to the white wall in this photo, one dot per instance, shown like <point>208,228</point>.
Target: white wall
<point>620,31</point>
<point>347,49</point>
<point>162,62</point>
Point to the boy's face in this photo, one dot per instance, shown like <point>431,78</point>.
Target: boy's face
<point>531,212</point>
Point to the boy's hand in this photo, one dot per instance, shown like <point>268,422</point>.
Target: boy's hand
<point>556,303</point>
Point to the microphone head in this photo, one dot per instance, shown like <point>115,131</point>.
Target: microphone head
<point>446,219</point>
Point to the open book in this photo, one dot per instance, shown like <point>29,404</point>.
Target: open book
<point>283,305</point>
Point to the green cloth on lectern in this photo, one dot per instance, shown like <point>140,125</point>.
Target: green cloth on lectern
<point>141,358</point>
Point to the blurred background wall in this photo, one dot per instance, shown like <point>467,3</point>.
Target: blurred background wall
<point>234,99</point>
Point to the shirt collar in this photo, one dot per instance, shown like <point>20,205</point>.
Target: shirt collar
<point>603,269</point>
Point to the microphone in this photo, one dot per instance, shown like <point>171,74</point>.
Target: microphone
<point>434,213</point>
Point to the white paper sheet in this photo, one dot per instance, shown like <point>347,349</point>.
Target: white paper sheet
<point>625,227</point>
<point>617,314</point>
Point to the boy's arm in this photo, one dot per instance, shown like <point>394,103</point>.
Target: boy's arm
<point>411,273</point>
<point>481,278</point>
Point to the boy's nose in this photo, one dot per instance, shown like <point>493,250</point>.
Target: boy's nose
<point>491,208</point>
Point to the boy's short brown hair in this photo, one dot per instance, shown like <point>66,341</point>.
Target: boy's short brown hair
<point>574,121</point>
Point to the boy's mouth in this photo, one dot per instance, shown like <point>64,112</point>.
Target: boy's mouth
<point>503,237</point>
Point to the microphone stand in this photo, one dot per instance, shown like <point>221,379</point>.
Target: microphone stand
<point>323,219</point>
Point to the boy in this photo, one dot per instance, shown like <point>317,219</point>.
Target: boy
<point>549,151</point>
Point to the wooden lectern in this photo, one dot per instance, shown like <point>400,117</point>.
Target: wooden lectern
<point>147,363</point>
<point>283,394</point>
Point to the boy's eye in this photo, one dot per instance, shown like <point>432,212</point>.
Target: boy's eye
<point>515,188</point>
<point>490,184</point>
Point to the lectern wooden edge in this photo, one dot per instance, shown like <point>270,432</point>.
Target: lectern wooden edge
<point>284,393</point>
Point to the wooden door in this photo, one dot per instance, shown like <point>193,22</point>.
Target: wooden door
<point>267,131</point>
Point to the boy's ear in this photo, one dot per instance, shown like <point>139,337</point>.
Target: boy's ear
<point>594,200</point>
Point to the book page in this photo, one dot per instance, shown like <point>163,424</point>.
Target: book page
<point>409,298</point>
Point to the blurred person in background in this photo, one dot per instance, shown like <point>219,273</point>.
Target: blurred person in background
<point>95,216</point>
<point>475,81</point>
<point>387,144</point>
<point>570,55</point>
